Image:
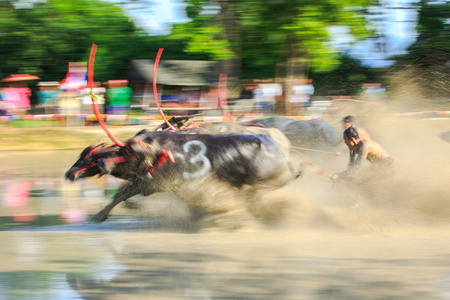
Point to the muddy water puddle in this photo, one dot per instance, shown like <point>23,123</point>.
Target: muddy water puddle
<point>258,265</point>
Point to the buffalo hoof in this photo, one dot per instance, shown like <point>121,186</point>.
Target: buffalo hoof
<point>98,218</point>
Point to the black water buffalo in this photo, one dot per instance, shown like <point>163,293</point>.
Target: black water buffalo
<point>230,128</point>
<point>197,168</point>
<point>178,122</point>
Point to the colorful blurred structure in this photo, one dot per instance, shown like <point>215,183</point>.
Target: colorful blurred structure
<point>86,100</point>
<point>48,97</point>
<point>184,86</point>
<point>118,97</point>
<point>373,92</point>
<point>264,97</point>
<point>76,77</point>
<point>176,72</point>
<point>75,80</point>
<point>299,95</point>
<point>19,77</point>
<point>16,97</point>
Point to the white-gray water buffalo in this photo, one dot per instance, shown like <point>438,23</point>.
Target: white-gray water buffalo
<point>304,133</point>
<point>197,168</point>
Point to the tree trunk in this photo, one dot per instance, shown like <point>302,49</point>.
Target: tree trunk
<point>294,71</point>
<point>228,19</point>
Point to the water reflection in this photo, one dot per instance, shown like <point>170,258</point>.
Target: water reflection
<point>267,272</point>
<point>50,203</point>
<point>28,200</point>
<point>36,266</point>
<point>17,201</point>
<point>221,266</point>
<point>49,286</point>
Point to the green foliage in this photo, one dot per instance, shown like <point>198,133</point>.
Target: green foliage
<point>267,33</point>
<point>261,36</point>
<point>432,46</point>
<point>346,79</point>
<point>433,43</point>
<point>43,39</point>
<point>427,59</point>
<point>202,40</point>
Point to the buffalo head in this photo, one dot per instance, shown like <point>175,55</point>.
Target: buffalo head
<point>130,161</point>
<point>90,162</point>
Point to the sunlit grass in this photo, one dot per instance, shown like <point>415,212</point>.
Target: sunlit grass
<point>59,138</point>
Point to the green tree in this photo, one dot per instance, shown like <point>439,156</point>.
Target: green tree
<point>42,39</point>
<point>426,66</point>
<point>432,46</point>
<point>346,79</point>
<point>272,36</point>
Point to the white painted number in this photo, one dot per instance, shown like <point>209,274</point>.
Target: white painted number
<point>199,157</point>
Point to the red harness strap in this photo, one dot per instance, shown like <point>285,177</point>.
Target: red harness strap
<point>83,169</point>
<point>162,159</point>
<point>118,159</point>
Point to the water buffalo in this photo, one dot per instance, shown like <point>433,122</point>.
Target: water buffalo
<point>197,168</point>
<point>187,125</point>
<point>229,128</point>
<point>304,133</point>
<point>178,122</point>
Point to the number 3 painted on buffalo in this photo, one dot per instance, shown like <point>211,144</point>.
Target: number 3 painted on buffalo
<point>199,157</point>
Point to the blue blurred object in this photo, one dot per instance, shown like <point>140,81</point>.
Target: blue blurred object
<point>170,98</point>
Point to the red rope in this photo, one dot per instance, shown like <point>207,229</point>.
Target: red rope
<point>155,91</point>
<point>94,104</point>
<point>161,160</point>
<point>193,125</point>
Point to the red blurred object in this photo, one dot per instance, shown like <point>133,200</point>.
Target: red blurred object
<point>20,77</point>
<point>74,216</point>
<point>76,78</point>
<point>24,217</point>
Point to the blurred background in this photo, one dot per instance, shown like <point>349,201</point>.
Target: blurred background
<point>386,62</point>
<point>281,57</point>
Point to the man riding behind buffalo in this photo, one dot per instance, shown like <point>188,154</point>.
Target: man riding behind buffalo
<point>361,149</point>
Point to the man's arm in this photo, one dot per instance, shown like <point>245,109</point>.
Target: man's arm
<point>352,159</point>
<point>355,163</point>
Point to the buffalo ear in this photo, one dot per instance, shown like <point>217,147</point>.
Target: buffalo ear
<point>106,150</point>
<point>87,150</point>
<point>91,148</point>
<point>96,144</point>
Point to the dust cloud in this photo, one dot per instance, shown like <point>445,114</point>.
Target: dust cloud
<point>412,200</point>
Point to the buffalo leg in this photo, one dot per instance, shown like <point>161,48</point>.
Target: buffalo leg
<point>126,191</point>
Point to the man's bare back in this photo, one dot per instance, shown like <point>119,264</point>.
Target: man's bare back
<point>363,149</point>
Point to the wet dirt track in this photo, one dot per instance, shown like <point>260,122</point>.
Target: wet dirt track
<point>337,241</point>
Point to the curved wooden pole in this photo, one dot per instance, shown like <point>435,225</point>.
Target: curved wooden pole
<point>155,91</point>
<point>95,97</point>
